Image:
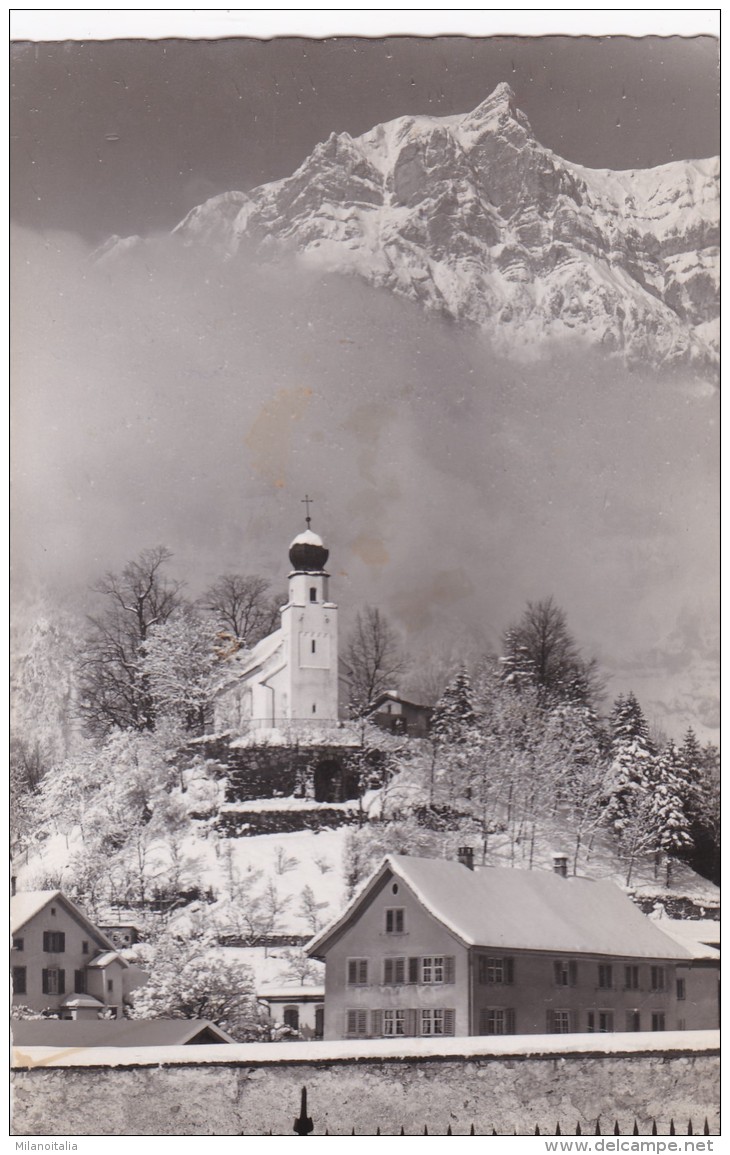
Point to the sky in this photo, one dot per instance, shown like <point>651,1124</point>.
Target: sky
<point>127,136</point>
<point>170,399</point>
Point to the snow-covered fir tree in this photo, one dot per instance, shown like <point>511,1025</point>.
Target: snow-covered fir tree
<point>454,717</point>
<point>669,793</point>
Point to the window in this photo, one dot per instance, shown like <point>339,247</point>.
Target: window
<point>605,976</point>
<point>53,911</point>
<point>314,707</point>
<point>559,1022</point>
<point>54,981</point>
<point>437,1022</point>
<point>497,1021</point>
<point>657,1020</point>
<point>84,947</point>
<point>631,978</point>
<point>681,989</point>
<point>433,969</point>
<point>54,942</point>
<point>600,1022</point>
<point>357,1023</point>
<point>357,971</point>
<point>496,970</point>
<point>312,596</point>
<point>394,970</point>
<point>394,1022</point>
<point>110,986</point>
<point>18,944</point>
<point>657,979</point>
<point>314,646</point>
<point>291,1018</point>
<point>566,972</point>
<point>79,982</point>
<point>633,1021</point>
<point>395,920</point>
<point>19,981</point>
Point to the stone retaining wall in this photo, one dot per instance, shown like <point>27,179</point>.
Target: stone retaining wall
<point>491,1092</point>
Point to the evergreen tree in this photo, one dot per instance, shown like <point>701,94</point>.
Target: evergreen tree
<point>454,717</point>
<point>669,796</point>
<point>631,761</point>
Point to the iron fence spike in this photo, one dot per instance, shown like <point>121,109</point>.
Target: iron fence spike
<point>706,1128</point>
<point>671,1127</point>
<point>653,1127</point>
<point>636,1128</point>
<point>616,1130</point>
<point>578,1129</point>
<point>689,1128</point>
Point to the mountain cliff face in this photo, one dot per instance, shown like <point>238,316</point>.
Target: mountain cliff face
<point>472,217</point>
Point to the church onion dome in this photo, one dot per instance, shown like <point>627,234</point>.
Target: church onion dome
<point>308,552</point>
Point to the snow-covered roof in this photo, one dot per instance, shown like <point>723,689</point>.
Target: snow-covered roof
<point>518,910</point>
<point>26,904</point>
<point>107,957</point>
<point>307,537</point>
<point>252,659</point>
<point>113,1032</point>
<point>295,994</point>
<point>695,935</point>
<point>82,1001</point>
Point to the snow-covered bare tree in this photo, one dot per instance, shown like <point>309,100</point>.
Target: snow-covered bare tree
<point>540,650</point>
<point>242,605</point>
<point>114,689</point>
<point>177,661</point>
<point>374,657</point>
<point>194,980</point>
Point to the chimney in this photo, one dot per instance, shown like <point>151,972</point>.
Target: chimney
<point>560,865</point>
<point>465,855</point>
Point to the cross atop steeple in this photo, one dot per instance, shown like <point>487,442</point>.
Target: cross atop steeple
<point>307,500</point>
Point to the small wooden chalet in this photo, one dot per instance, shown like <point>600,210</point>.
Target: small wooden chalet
<point>433,947</point>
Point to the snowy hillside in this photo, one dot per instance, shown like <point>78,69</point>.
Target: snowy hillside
<point>472,217</point>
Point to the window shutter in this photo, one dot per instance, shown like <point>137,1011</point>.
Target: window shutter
<point>61,939</point>
<point>363,975</point>
<point>44,975</point>
<point>573,972</point>
<point>376,1022</point>
<point>46,940</point>
<point>550,1020</point>
<point>509,1021</point>
<point>400,970</point>
<point>449,967</point>
<point>387,970</point>
<point>573,1020</point>
<point>509,970</point>
<point>362,1022</point>
<point>411,1024</point>
<point>591,1024</point>
<point>557,968</point>
<point>448,1022</point>
<point>351,971</point>
<point>79,982</point>
<point>62,982</point>
<point>351,1022</point>
<point>413,970</point>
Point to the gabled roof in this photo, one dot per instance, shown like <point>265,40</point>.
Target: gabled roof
<point>517,910</point>
<point>26,904</point>
<point>115,1032</point>
<point>394,696</point>
<point>246,662</point>
<point>105,958</point>
<point>695,935</point>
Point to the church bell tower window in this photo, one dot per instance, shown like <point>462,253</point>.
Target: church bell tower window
<point>312,593</point>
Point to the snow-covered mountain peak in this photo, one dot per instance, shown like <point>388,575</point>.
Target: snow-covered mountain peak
<point>471,216</point>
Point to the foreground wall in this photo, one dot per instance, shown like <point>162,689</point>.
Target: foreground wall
<point>246,1090</point>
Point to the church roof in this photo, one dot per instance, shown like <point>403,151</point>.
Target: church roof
<point>246,661</point>
<point>518,910</point>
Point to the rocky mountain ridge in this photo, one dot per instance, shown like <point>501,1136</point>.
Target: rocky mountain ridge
<point>473,218</point>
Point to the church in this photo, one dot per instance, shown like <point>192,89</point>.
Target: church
<point>287,687</point>
<point>280,712</point>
